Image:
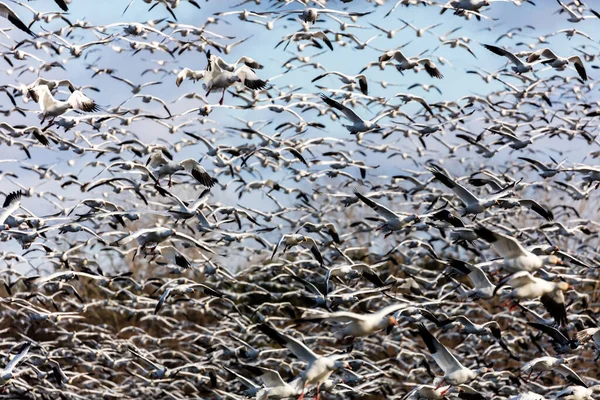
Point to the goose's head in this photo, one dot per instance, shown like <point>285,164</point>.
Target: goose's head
<point>392,322</point>
<point>553,260</point>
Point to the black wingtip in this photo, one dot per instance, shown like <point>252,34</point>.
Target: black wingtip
<point>11,198</point>
<point>427,338</point>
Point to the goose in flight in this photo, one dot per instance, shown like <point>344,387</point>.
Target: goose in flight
<point>559,63</point>
<point>410,63</point>
<point>358,325</point>
<point>348,80</point>
<point>53,108</point>
<point>520,67</point>
<point>319,368</point>
<point>554,364</point>
<point>393,221</point>
<point>516,257</point>
<point>297,239</point>
<point>473,204</point>
<point>187,73</point>
<point>483,287</point>
<point>455,374</point>
<point>526,286</point>
<point>6,373</point>
<point>219,75</point>
<point>359,125</point>
<point>573,16</point>
<point>10,15</point>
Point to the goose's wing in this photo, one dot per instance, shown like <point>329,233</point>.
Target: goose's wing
<point>80,101</point>
<point>507,246</point>
<point>250,79</point>
<point>554,333</point>
<point>271,378</point>
<point>378,208</point>
<point>11,203</point>
<point>501,52</point>
<point>298,348</point>
<point>554,302</point>
<point>578,64</point>
<point>570,375</point>
<point>342,316</point>
<point>63,6</point>
<point>517,279</point>
<point>9,14</point>
<point>443,358</point>
<point>351,115</point>
<point>466,196</point>
<point>16,359</point>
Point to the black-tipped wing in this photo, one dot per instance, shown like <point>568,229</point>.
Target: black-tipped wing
<point>12,198</point>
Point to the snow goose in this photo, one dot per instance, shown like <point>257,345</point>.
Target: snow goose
<point>187,73</point>
<point>9,14</point>
<point>483,288</point>
<point>53,108</point>
<point>358,325</point>
<point>560,341</point>
<point>319,368</point>
<point>274,387</point>
<point>348,80</point>
<point>469,327</point>
<point>218,75</point>
<point>557,62</point>
<point>177,288</point>
<point>473,204</point>
<point>6,373</point>
<point>359,125</point>
<point>12,202</point>
<point>573,16</point>
<point>577,393</point>
<point>516,257</point>
<point>393,221</point>
<point>520,67</point>
<point>554,364</point>
<point>405,63</point>
<point>455,373</point>
<point>526,286</point>
<point>296,239</point>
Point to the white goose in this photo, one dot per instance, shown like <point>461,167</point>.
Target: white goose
<point>319,368</point>
<point>559,63</point>
<point>516,257</point>
<point>526,286</point>
<point>359,125</point>
<point>220,75</point>
<point>455,373</point>
<point>405,63</point>
<point>6,374</point>
<point>53,108</point>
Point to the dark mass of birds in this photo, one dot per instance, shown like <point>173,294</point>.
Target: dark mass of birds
<point>285,228</point>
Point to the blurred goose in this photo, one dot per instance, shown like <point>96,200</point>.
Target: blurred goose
<point>318,368</point>
<point>53,108</point>
<point>455,373</point>
<point>548,363</point>
<point>526,286</point>
<point>516,257</point>
<point>12,202</point>
<point>410,63</point>
<point>359,125</point>
<point>6,374</point>
<point>557,62</point>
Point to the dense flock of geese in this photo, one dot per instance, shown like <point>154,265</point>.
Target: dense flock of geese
<point>287,229</point>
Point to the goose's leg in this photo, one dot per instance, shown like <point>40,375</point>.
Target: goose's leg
<point>222,97</point>
<point>302,395</point>
<point>445,391</point>
<point>442,383</point>
<point>317,396</point>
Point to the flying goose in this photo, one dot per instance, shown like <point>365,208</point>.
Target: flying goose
<point>554,364</point>
<point>455,374</point>
<point>526,286</point>
<point>219,76</point>
<point>473,204</point>
<point>359,125</point>
<point>318,368</point>
<point>393,221</point>
<point>410,63</point>
<point>6,373</point>
<point>348,80</point>
<point>557,62</point>
<point>53,108</point>
<point>516,257</point>
<point>520,67</point>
